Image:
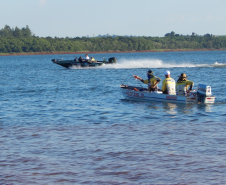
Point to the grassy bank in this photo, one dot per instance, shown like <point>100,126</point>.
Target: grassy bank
<point>84,52</point>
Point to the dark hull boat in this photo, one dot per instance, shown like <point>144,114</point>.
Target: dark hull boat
<point>83,62</point>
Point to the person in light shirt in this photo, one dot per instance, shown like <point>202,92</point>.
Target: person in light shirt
<point>168,84</point>
<point>87,57</point>
<point>92,59</point>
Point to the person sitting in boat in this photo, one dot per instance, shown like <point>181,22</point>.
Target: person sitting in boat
<point>152,81</point>
<point>183,84</point>
<point>80,59</point>
<point>93,60</point>
<point>87,57</point>
<point>168,84</point>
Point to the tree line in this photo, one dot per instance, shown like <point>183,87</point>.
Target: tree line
<point>16,32</point>
<point>22,40</point>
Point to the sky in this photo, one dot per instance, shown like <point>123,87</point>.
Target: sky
<point>90,18</point>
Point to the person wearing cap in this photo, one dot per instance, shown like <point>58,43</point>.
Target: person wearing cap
<point>152,81</point>
<point>168,84</point>
<point>183,84</point>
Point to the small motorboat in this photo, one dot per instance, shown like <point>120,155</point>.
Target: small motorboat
<point>201,95</point>
<point>83,62</point>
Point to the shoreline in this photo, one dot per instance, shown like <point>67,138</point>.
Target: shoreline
<point>88,52</point>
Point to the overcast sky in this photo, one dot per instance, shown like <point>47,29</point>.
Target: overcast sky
<point>77,18</point>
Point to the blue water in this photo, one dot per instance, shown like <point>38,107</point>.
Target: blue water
<point>73,126</point>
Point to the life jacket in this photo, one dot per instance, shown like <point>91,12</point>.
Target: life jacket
<point>170,86</point>
<point>182,86</point>
<point>152,81</point>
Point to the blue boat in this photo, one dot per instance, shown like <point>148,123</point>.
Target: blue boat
<point>203,94</point>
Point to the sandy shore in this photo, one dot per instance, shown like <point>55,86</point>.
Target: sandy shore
<point>57,53</point>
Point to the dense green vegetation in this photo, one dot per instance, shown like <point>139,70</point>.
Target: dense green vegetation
<point>22,40</point>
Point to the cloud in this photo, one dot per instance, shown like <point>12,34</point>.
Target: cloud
<point>41,3</point>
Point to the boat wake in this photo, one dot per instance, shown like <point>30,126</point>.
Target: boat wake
<point>216,64</point>
<point>140,63</point>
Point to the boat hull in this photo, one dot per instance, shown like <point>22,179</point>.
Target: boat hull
<point>140,94</point>
<point>71,63</point>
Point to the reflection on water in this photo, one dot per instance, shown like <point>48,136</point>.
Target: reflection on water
<point>186,108</point>
<point>170,108</point>
<point>205,107</point>
<point>208,108</point>
<point>174,108</point>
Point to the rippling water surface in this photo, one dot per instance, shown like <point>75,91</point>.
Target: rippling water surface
<point>73,126</point>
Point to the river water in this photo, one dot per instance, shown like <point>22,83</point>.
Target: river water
<point>73,126</point>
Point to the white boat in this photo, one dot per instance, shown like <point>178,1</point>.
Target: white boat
<point>201,95</point>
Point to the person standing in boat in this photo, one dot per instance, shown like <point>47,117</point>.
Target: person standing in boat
<point>152,81</point>
<point>168,84</point>
<point>183,84</point>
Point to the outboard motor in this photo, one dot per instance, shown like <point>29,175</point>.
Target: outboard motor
<point>112,60</point>
<point>204,94</point>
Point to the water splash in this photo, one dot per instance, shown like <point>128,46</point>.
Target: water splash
<point>154,63</point>
<point>141,63</point>
<point>216,64</point>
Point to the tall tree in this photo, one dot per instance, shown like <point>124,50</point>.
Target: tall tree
<point>17,32</point>
<point>26,32</point>
<point>6,31</point>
